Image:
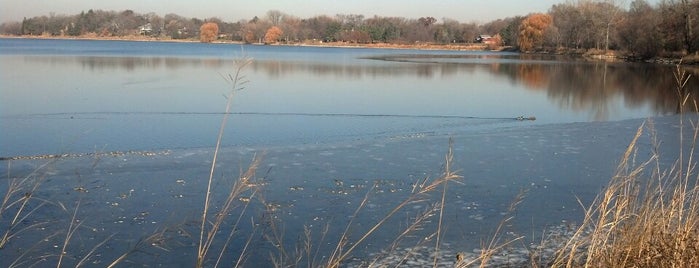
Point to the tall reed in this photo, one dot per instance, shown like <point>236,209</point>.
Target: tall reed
<point>209,230</point>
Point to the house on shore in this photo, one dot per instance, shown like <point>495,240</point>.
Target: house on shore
<point>484,38</point>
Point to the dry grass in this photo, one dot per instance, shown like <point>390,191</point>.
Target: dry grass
<point>18,204</point>
<point>647,216</point>
<point>344,247</point>
<point>19,195</point>
<point>156,239</point>
<point>640,221</point>
<point>497,241</point>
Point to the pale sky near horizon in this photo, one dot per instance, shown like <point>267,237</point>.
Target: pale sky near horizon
<point>479,11</point>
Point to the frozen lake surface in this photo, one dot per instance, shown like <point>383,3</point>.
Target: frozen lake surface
<point>133,195</point>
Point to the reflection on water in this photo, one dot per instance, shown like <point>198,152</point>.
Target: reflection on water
<point>81,101</point>
<point>578,86</point>
<point>571,85</point>
<point>101,63</point>
<point>596,86</point>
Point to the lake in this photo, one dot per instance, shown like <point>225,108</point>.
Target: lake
<point>138,121</point>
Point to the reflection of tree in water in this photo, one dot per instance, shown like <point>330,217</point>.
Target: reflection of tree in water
<point>594,86</point>
<point>278,69</point>
<point>578,86</point>
<point>425,71</point>
<point>583,87</point>
<point>571,86</point>
<point>533,75</point>
<point>95,63</point>
<point>654,85</point>
<point>100,63</point>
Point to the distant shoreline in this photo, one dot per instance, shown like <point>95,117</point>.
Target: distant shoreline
<point>421,46</point>
<point>100,38</point>
<point>591,55</point>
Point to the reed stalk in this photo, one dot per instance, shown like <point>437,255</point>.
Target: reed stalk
<point>208,231</point>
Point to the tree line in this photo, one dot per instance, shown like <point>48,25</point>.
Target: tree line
<point>641,29</point>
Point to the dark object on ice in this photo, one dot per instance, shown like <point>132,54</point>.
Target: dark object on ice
<point>522,118</point>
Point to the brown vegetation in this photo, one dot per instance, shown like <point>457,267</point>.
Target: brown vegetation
<point>208,32</point>
<point>273,35</point>
<point>532,30</point>
<point>640,221</point>
<point>647,216</point>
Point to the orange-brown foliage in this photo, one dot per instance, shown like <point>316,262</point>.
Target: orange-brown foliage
<point>273,34</point>
<point>531,31</point>
<point>495,42</point>
<point>533,76</point>
<point>208,32</point>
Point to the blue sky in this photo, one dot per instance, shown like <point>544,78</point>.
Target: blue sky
<point>234,10</point>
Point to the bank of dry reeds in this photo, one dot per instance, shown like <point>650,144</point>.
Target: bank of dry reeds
<point>645,217</point>
<point>648,215</point>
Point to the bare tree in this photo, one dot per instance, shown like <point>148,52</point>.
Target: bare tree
<point>350,21</point>
<point>611,15</point>
<point>275,17</point>
<point>291,26</point>
<point>639,32</point>
<point>469,31</point>
<point>254,30</point>
<point>568,20</point>
<point>684,13</point>
<point>11,28</point>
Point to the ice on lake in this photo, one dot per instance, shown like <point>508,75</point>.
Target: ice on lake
<point>126,197</point>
